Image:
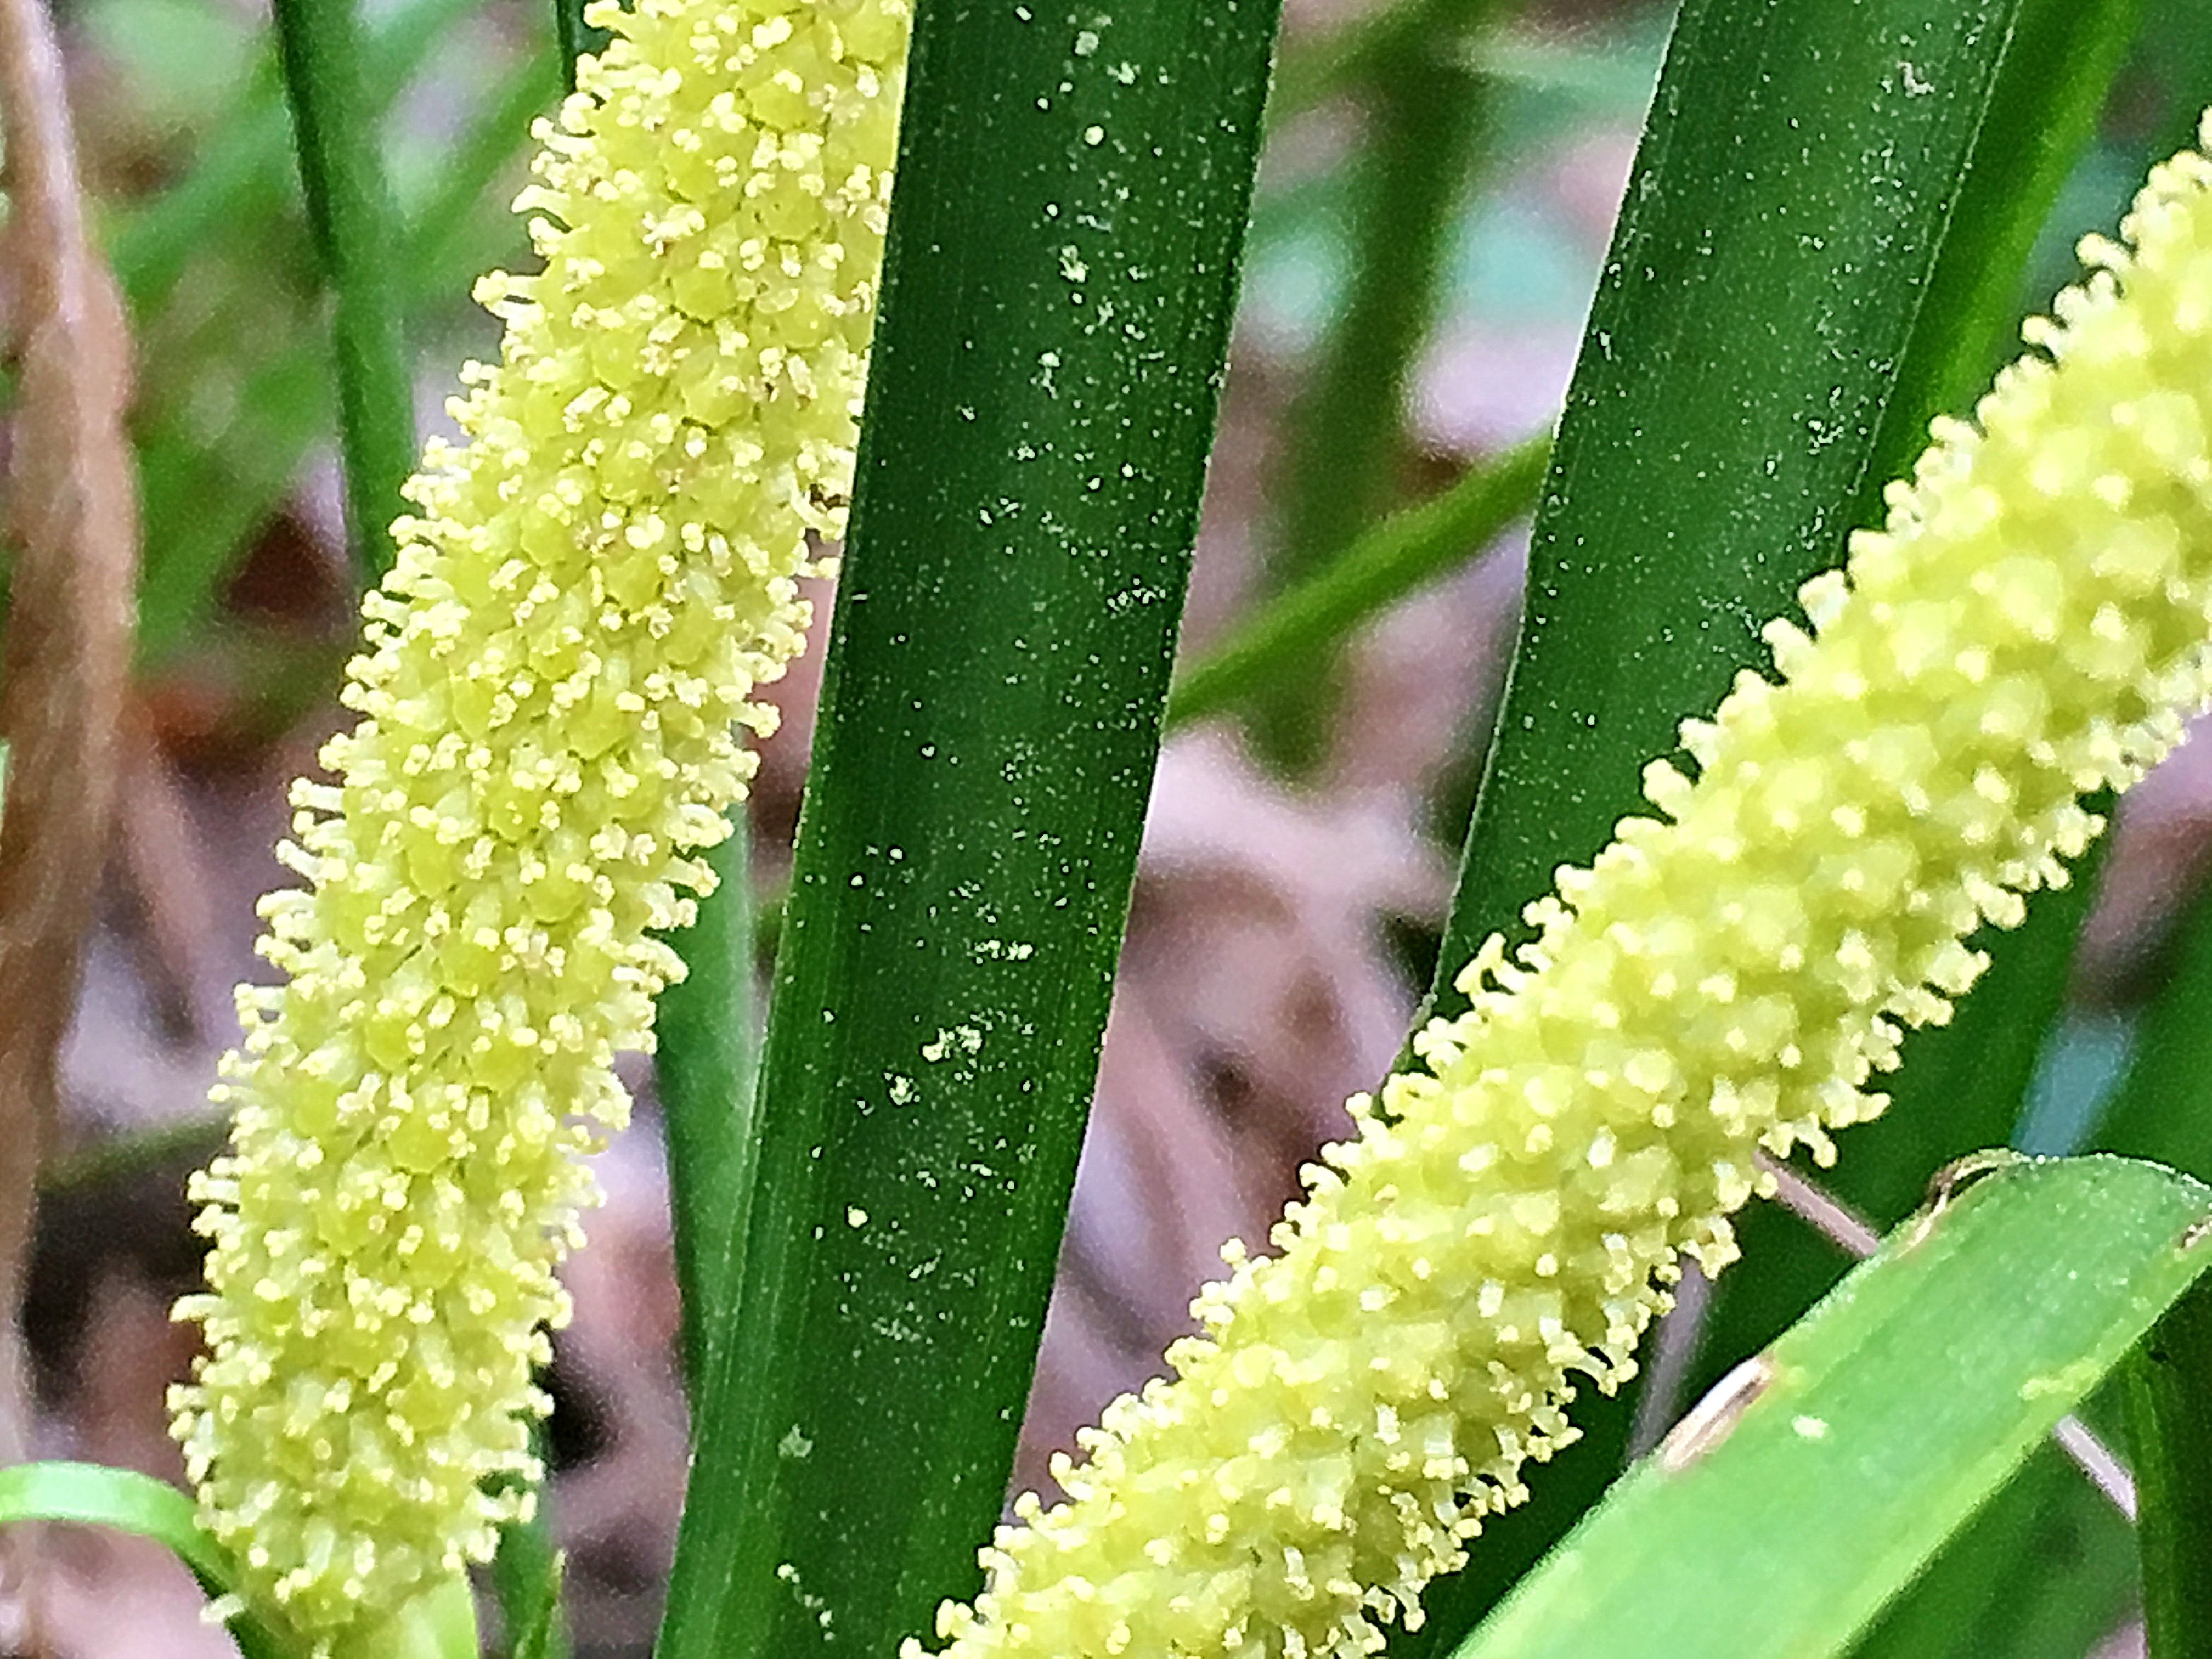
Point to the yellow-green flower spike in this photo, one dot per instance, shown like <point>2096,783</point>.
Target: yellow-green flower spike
<point>2031,625</point>
<point>578,618</point>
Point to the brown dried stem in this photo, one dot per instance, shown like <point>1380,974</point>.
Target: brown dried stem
<point>72,523</point>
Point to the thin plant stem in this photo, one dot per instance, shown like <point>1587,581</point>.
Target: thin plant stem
<point>1386,562</point>
<point>1424,113</point>
<point>436,226</point>
<point>349,209</point>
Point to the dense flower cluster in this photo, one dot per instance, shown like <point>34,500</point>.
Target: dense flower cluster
<point>594,586</point>
<point>2031,625</point>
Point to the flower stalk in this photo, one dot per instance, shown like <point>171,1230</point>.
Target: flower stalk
<point>555,674</point>
<point>2029,626</point>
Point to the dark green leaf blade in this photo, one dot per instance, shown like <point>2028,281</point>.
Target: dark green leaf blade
<point>2169,1402</point>
<point>1731,416</point>
<point>704,1070</point>
<point>1883,1420</point>
<point>1748,380</point>
<point>1074,186</point>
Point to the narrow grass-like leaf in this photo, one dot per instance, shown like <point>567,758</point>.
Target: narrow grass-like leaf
<point>1756,364</point>
<point>1073,183</point>
<point>435,227</point>
<point>2169,1402</point>
<point>341,153</point>
<point>525,1578</point>
<point>1304,623</point>
<point>1421,105</point>
<point>1811,1487</point>
<point>202,494</point>
<point>242,173</point>
<point>704,1069</point>
<point>1808,236</point>
<point>2060,62</point>
<point>90,1494</point>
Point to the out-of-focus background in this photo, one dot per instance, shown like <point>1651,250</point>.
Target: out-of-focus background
<point>1439,184</point>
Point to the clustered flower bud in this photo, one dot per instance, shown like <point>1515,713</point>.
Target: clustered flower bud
<point>2030,625</point>
<point>594,586</point>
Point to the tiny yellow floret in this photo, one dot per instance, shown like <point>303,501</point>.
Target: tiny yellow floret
<point>554,670</point>
<point>2031,625</point>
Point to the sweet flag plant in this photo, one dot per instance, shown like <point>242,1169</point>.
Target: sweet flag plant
<point>2030,626</point>
<point>554,673</point>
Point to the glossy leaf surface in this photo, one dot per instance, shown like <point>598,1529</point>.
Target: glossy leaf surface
<point>1813,255</point>
<point>1811,1487</point>
<point>1073,188</point>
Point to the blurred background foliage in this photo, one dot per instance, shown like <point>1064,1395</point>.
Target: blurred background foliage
<point>1439,183</point>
